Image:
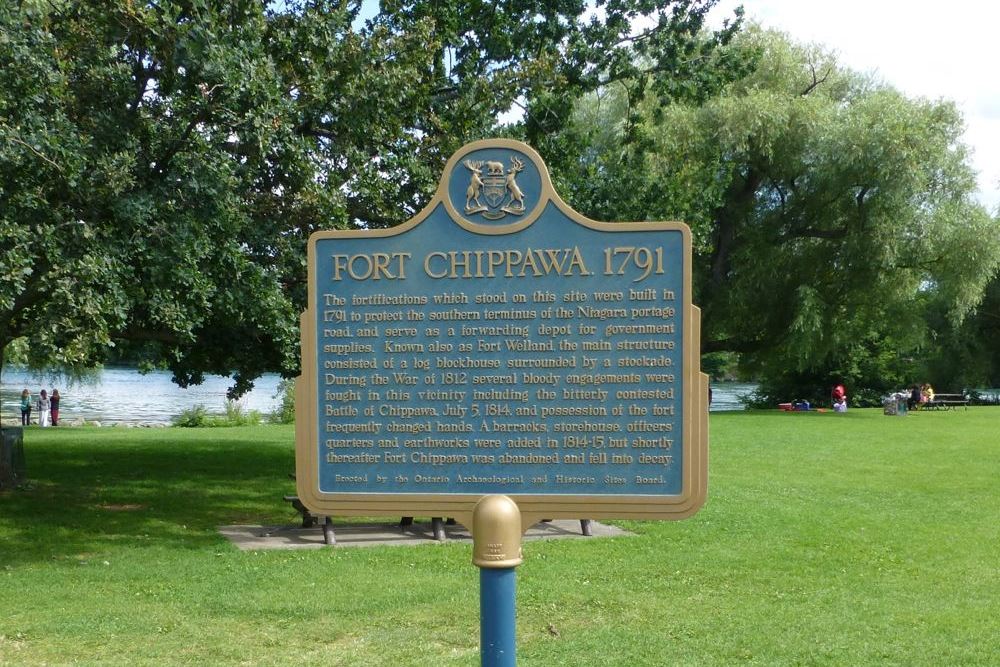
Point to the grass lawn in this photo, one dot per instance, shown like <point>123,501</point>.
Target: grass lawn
<point>827,539</point>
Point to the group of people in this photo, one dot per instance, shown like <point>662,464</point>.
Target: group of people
<point>47,407</point>
<point>920,394</point>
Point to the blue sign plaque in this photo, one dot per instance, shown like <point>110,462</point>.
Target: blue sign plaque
<point>500,343</point>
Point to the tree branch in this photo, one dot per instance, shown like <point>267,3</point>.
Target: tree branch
<point>372,221</point>
<point>730,344</point>
<point>175,147</point>
<point>144,335</point>
<point>32,149</point>
<point>812,233</point>
<point>739,197</point>
<point>860,199</point>
<point>815,81</point>
<point>142,79</point>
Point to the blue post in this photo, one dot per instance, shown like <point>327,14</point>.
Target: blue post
<point>496,617</point>
<point>496,551</point>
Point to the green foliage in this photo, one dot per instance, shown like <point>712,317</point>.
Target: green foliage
<point>967,357</point>
<point>870,367</point>
<point>193,417</point>
<point>235,415</point>
<point>829,212</point>
<point>285,413</point>
<point>720,365</point>
<point>238,415</point>
<point>162,164</point>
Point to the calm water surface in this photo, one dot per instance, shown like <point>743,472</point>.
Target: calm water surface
<point>727,395</point>
<point>123,395</point>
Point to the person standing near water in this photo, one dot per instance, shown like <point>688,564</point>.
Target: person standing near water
<point>54,401</point>
<point>44,406</point>
<point>25,408</point>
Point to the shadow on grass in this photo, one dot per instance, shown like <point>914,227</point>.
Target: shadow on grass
<point>91,490</point>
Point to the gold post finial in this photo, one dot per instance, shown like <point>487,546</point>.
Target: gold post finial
<point>496,533</point>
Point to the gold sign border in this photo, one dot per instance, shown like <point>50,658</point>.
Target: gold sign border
<point>533,507</point>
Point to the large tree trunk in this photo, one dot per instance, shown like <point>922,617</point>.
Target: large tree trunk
<point>735,209</point>
<point>11,457</point>
<point>3,346</point>
<point>12,468</point>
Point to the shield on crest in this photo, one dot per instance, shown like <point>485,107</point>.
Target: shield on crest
<point>494,183</point>
<point>494,189</point>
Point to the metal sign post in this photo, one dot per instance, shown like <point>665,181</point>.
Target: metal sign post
<point>496,551</point>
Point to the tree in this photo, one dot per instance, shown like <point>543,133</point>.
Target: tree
<point>829,211</point>
<point>966,357</point>
<point>162,164</point>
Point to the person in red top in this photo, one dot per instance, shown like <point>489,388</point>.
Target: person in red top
<point>839,394</point>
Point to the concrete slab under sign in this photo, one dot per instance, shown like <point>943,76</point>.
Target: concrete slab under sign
<point>253,538</point>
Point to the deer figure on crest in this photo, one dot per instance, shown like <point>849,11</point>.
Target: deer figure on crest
<point>475,186</point>
<point>516,196</point>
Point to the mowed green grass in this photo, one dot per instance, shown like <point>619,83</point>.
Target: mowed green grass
<point>854,539</point>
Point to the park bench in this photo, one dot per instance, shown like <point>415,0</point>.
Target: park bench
<point>946,402</point>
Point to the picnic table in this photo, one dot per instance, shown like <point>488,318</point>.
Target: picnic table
<point>946,402</point>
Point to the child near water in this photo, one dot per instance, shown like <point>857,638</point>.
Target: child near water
<point>25,408</point>
<point>54,410</point>
<point>44,406</point>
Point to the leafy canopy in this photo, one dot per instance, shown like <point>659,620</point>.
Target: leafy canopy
<point>829,211</point>
<point>162,164</point>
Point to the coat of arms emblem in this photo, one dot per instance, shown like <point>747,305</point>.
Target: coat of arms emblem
<point>493,190</point>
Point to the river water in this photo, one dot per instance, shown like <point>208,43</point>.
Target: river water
<point>123,395</point>
<point>727,395</point>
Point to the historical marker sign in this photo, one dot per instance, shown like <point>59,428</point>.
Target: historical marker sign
<point>501,343</point>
